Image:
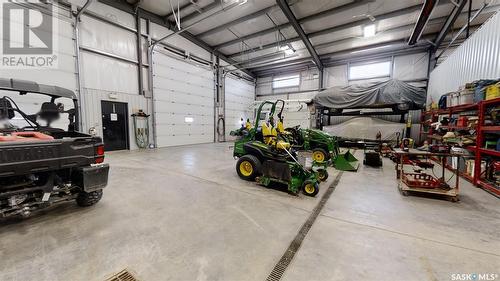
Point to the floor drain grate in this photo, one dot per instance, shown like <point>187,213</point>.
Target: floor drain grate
<point>280,267</point>
<point>123,275</point>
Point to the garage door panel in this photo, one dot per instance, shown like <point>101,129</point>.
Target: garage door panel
<point>181,130</point>
<point>179,118</point>
<point>175,74</point>
<point>181,87</point>
<point>175,98</point>
<point>186,109</point>
<point>165,141</point>
<point>184,102</point>
<point>239,99</point>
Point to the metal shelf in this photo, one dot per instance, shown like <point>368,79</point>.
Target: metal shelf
<point>490,152</point>
<point>479,152</point>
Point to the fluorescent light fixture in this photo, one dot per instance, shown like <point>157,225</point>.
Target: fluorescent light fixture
<point>284,47</point>
<point>188,119</point>
<point>369,30</point>
<point>289,51</point>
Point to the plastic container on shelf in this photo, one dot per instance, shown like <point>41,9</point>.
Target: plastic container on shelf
<point>466,97</point>
<point>452,99</point>
<point>493,91</point>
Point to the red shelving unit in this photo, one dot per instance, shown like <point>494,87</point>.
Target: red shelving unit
<point>482,152</point>
<point>479,151</point>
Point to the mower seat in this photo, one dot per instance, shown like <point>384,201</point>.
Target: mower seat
<point>280,127</point>
<point>271,137</point>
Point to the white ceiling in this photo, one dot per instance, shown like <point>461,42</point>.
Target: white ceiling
<point>388,29</point>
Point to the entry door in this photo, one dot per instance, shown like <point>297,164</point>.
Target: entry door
<point>115,125</point>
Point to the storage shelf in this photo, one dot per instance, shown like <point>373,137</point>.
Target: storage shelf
<point>492,188</point>
<point>479,153</point>
<point>457,127</point>
<point>489,152</point>
<point>471,148</point>
<point>490,128</point>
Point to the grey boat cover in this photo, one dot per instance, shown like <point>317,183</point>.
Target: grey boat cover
<point>380,94</point>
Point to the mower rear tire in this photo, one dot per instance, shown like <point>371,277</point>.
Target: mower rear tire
<point>310,188</point>
<point>320,155</point>
<point>248,167</point>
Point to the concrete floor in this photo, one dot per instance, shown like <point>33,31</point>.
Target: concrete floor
<point>183,214</point>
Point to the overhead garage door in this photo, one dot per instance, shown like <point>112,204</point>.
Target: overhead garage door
<point>184,101</point>
<point>240,96</point>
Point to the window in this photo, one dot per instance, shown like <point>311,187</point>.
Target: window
<point>286,82</point>
<point>371,70</point>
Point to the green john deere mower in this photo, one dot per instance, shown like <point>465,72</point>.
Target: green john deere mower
<point>324,147</point>
<point>265,157</point>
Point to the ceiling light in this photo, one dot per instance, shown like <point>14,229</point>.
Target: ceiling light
<point>284,47</point>
<point>289,51</point>
<point>369,30</point>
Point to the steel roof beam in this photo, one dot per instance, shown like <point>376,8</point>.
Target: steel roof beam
<point>422,20</point>
<point>283,4</point>
<point>373,49</point>
<point>357,23</point>
<point>126,7</point>
<point>450,21</point>
<point>319,15</point>
<point>237,21</point>
<point>209,7</point>
<point>187,5</point>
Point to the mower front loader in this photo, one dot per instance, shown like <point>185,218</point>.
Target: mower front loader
<point>321,143</point>
<point>345,161</point>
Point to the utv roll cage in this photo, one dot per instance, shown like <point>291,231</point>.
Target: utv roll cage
<point>24,87</point>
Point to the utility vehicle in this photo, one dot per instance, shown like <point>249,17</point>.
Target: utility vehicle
<point>40,164</point>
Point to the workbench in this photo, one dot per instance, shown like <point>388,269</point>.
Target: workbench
<point>403,176</point>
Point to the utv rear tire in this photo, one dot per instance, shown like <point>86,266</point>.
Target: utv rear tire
<point>248,167</point>
<point>320,155</point>
<point>87,199</point>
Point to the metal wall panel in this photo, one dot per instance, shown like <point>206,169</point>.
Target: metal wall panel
<point>477,58</point>
<point>182,89</point>
<point>239,98</point>
<point>64,74</point>
<point>102,36</point>
<point>103,73</point>
<point>295,113</point>
<point>93,116</point>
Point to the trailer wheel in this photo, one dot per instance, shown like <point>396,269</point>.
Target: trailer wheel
<point>320,155</point>
<point>87,199</point>
<point>248,167</point>
<point>310,188</point>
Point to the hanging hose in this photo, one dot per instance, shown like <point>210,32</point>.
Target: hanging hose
<point>219,133</point>
<point>141,134</point>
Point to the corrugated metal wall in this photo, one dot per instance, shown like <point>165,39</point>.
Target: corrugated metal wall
<point>477,58</point>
